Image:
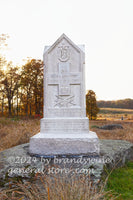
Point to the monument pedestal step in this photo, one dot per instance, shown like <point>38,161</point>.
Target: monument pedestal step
<point>67,125</point>
<point>64,144</point>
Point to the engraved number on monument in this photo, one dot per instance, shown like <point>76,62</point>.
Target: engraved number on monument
<point>63,53</point>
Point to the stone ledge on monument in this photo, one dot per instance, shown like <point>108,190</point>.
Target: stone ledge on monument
<point>61,144</point>
<point>64,125</point>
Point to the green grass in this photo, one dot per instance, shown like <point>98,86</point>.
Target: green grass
<point>121,181</point>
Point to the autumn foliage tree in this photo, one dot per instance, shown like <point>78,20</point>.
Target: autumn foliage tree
<point>2,92</point>
<point>10,83</point>
<point>3,45</point>
<point>21,88</point>
<point>32,86</point>
<point>91,105</point>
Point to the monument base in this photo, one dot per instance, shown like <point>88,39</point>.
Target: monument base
<point>64,144</point>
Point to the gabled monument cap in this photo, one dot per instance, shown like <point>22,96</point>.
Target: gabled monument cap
<point>79,48</point>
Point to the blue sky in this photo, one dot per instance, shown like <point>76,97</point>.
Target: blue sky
<point>104,26</point>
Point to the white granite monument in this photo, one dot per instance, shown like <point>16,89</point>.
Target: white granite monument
<point>64,128</point>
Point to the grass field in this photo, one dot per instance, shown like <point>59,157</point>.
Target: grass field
<point>115,114</point>
<point>15,131</point>
<point>118,134</point>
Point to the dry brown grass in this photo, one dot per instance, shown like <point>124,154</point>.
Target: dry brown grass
<point>57,188</point>
<point>15,132</point>
<point>115,114</point>
<point>118,134</point>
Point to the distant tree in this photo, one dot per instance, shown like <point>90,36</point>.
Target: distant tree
<point>3,44</point>
<point>32,86</point>
<point>10,84</point>
<point>26,87</point>
<point>37,66</point>
<point>3,62</point>
<point>125,103</point>
<point>91,105</point>
<point>2,94</point>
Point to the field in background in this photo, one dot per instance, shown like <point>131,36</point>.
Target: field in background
<point>115,114</point>
<point>15,131</point>
<point>118,134</point>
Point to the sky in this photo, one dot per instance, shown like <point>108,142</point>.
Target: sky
<point>105,27</point>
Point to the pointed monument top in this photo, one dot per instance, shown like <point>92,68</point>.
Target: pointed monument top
<point>48,49</point>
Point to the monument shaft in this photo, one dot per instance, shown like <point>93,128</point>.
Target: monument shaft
<point>64,89</point>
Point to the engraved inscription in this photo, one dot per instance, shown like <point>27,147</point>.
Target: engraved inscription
<point>70,125</point>
<point>63,112</point>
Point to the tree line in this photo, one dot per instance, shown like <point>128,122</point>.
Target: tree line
<point>125,104</point>
<point>21,89</point>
